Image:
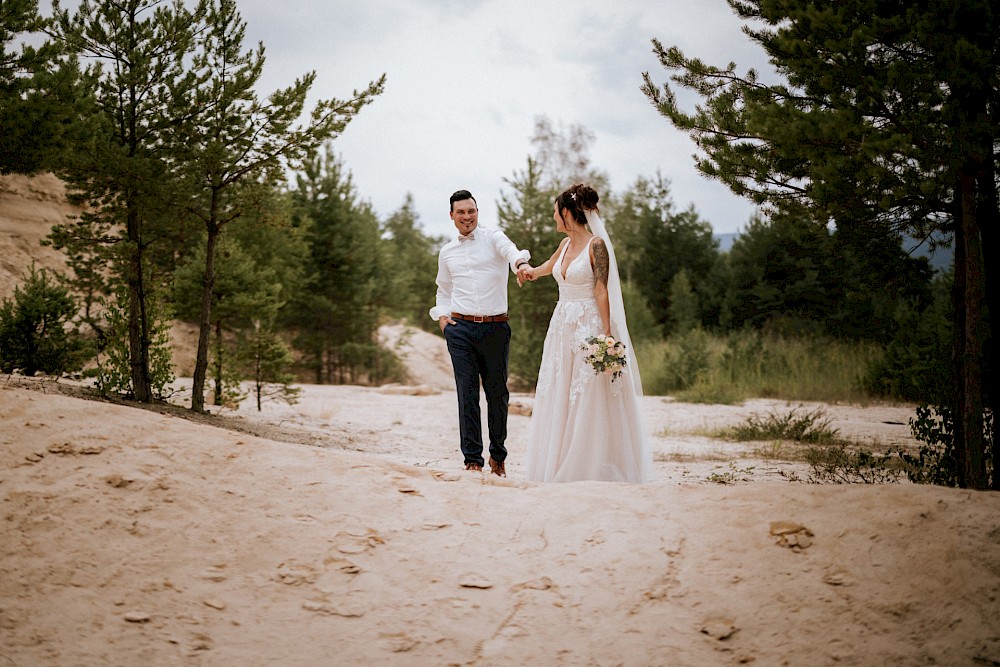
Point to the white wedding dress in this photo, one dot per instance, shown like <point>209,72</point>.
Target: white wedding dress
<point>583,425</point>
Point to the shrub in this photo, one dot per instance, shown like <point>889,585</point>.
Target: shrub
<point>916,365</point>
<point>937,461</point>
<point>36,334</point>
<point>681,360</point>
<point>114,372</point>
<point>836,464</point>
<point>812,426</point>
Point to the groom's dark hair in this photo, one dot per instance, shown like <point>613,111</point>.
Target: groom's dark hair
<point>459,196</point>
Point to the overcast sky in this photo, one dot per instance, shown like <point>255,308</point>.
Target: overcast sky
<point>467,79</point>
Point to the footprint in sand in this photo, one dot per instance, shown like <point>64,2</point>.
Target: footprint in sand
<point>345,608</point>
<point>296,574</point>
<point>350,542</point>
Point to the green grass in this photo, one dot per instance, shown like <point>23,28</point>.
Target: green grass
<point>807,436</point>
<point>704,368</point>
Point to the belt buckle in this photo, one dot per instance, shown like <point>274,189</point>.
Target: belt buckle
<point>478,319</point>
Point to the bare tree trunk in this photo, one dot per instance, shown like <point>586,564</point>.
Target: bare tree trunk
<point>138,318</point>
<point>989,217</point>
<point>205,323</point>
<point>219,351</point>
<point>968,337</point>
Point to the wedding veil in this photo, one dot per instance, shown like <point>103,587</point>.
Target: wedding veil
<point>619,327</point>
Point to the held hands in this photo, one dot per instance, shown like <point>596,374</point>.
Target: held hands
<point>524,274</point>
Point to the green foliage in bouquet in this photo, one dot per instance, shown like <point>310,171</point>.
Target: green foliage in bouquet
<point>605,355</point>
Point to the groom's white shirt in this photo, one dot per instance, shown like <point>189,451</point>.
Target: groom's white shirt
<point>472,274</point>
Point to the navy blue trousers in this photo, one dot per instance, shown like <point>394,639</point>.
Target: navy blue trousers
<point>479,351</point>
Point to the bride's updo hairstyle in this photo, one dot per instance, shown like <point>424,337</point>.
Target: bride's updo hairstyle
<point>577,200</point>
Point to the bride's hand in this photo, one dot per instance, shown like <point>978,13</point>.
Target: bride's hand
<point>524,274</point>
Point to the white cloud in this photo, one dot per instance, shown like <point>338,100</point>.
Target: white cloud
<point>466,80</point>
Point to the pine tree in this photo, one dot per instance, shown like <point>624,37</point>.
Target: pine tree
<point>114,369</point>
<point>43,94</point>
<point>138,50</point>
<point>267,359</point>
<point>683,304</point>
<point>232,141</point>
<point>344,289</point>
<point>244,292</point>
<point>657,242</point>
<point>36,334</point>
<point>562,157</point>
<point>885,117</point>
<point>526,218</point>
<point>412,257</point>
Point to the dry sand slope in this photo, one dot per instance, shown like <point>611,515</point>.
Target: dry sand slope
<point>137,537</point>
<point>29,206</point>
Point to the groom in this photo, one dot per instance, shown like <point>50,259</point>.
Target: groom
<point>471,308</point>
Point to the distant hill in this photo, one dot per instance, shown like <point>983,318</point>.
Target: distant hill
<point>726,241</point>
<point>940,259</point>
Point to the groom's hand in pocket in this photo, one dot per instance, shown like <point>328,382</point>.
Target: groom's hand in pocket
<point>444,321</point>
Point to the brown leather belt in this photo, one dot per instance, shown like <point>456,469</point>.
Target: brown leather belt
<point>480,318</point>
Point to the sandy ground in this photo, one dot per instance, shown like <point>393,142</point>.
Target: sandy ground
<point>351,535</point>
<point>343,531</point>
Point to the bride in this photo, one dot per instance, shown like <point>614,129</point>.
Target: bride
<point>584,425</point>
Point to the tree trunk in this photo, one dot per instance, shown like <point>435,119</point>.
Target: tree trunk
<point>968,336</point>
<point>219,389</point>
<point>258,373</point>
<point>138,318</point>
<point>205,323</point>
<point>989,219</point>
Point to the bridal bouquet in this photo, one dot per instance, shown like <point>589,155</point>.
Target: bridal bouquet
<point>605,355</point>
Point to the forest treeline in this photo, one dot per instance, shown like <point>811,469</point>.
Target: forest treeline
<point>208,203</point>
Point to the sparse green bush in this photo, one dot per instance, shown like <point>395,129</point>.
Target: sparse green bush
<point>36,331</point>
<point>836,464</point>
<point>810,426</point>
<point>114,373</point>
<point>937,461</point>
<point>733,475</point>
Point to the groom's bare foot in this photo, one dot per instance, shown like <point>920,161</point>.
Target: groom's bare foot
<point>497,468</point>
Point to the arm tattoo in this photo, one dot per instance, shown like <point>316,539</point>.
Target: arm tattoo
<point>601,261</point>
